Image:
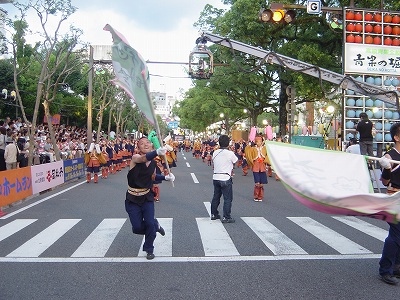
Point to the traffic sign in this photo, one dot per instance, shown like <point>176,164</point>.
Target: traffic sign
<point>314,7</point>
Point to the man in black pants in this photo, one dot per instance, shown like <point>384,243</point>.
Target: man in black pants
<point>389,264</point>
<point>364,127</point>
<point>139,203</point>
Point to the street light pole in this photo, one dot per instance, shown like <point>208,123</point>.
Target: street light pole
<point>90,95</point>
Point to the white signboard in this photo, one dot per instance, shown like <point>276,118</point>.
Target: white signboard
<point>46,176</point>
<point>314,7</point>
<point>372,59</point>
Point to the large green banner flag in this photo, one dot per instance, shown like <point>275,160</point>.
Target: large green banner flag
<point>131,73</point>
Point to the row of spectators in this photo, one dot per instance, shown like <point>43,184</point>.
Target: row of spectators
<point>71,142</point>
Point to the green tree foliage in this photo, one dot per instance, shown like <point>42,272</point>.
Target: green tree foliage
<point>309,38</point>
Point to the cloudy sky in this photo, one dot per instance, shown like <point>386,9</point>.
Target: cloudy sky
<point>161,30</point>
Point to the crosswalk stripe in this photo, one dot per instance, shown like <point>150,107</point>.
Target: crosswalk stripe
<point>39,243</point>
<point>335,240</point>
<point>162,244</point>
<point>100,240</point>
<point>216,240</point>
<point>13,227</point>
<point>365,227</point>
<point>272,237</point>
<point>208,207</point>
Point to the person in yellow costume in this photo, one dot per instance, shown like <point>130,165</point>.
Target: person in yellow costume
<point>257,159</point>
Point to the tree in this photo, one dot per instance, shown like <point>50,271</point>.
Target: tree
<point>308,38</point>
<point>55,54</point>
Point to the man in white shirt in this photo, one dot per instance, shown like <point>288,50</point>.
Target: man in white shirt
<point>223,160</point>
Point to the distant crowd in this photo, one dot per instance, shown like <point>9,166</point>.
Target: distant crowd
<point>15,142</point>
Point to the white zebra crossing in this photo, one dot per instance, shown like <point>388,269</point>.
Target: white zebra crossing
<point>162,244</point>
<point>216,240</point>
<point>214,235</point>
<point>100,240</point>
<point>13,227</point>
<point>272,237</point>
<point>333,239</point>
<point>39,243</point>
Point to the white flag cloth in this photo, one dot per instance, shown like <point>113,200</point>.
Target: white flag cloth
<point>332,182</point>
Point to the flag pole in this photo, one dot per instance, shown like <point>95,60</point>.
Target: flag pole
<point>157,127</point>
<point>378,158</point>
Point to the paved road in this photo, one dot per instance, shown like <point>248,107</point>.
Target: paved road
<point>75,242</point>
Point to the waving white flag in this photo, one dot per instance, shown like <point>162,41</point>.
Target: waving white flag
<point>332,182</point>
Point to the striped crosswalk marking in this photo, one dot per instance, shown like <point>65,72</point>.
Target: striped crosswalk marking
<point>335,240</point>
<point>162,244</point>
<point>365,227</point>
<point>272,237</point>
<point>208,207</point>
<point>216,240</point>
<point>100,240</point>
<point>13,227</point>
<point>39,243</point>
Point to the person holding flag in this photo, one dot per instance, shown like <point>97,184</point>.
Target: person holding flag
<point>132,75</point>
<point>139,202</point>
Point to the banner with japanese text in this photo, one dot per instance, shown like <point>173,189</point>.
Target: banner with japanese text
<point>74,169</point>
<point>47,176</point>
<point>15,185</point>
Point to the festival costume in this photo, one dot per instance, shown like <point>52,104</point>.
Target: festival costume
<point>105,166</point>
<point>159,170</point>
<point>197,149</point>
<point>257,159</point>
<point>139,202</point>
<point>93,161</point>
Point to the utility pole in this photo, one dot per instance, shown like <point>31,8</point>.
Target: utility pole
<point>90,95</point>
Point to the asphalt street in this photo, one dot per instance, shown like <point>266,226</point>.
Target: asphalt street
<point>75,242</point>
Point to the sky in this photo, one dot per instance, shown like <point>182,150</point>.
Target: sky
<point>160,30</point>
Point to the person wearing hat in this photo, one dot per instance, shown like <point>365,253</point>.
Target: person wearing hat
<point>364,128</point>
<point>257,159</point>
<point>10,154</point>
<point>389,264</point>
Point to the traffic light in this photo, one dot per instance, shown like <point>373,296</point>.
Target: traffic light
<point>4,93</point>
<point>276,15</point>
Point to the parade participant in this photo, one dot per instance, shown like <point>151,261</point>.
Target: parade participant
<point>114,158</point>
<point>139,203</point>
<point>118,153</point>
<point>197,149</point>
<point>170,155</point>
<point>245,166</point>
<point>223,160</point>
<point>93,161</point>
<point>257,159</point>
<point>239,151</point>
<point>188,145</point>
<point>389,264</point>
<point>105,167</point>
<point>156,183</point>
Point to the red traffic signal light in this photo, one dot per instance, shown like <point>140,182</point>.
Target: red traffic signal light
<point>276,15</point>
